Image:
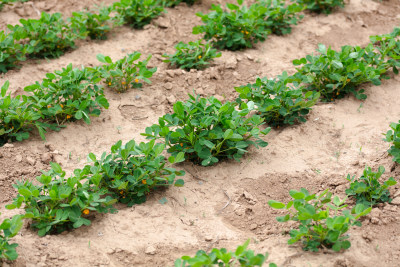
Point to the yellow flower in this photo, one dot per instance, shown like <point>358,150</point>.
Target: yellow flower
<point>49,106</point>
<point>61,105</point>
<point>242,31</point>
<point>68,117</point>
<point>121,192</point>
<point>348,80</point>
<point>247,32</point>
<point>109,83</point>
<point>199,57</point>
<point>123,82</point>
<point>144,181</point>
<point>136,80</point>
<point>85,211</point>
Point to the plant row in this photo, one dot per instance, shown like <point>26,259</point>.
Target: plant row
<point>52,35</point>
<point>323,221</point>
<point>240,27</point>
<point>67,95</point>
<point>74,94</point>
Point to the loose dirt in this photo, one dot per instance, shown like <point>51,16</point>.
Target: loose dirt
<point>338,139</point>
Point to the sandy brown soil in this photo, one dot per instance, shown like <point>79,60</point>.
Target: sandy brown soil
<point>339,138</point>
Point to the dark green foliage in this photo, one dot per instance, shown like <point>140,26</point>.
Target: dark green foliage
<point>57,203</point>
<point>321,6</point>
<point>335,74</point>
<point>318,226</point>
<point>8,229</point>
<point>11,52</point>
<point>367,190</point>
<point>221,257</point>
<point>208,131</point>
<point>138,13</point>
<point>393,136</point>
<point>70,94</point>
<point>194,55</point>
<point>239,27</point>
<point>94,25</point>
<point>388,46</point>
<point>133,170</point>
<point>125,74</point>
<point>277,102</point>
<point>49,36</point>
<point>280,16</point>
<point>17,117</point>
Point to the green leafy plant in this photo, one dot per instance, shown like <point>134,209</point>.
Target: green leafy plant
<point>388,46</point>
<point>11,52</point>
<point>277,102</point>
<point>317,227</point>
<point>8,229</point>
<point>133,170</point>
<point>367,190</point>
<point>208,131</point>
<point>280,16</point>
<point>125,74</point>
<point>321,6</point>
<point>335,74</point>
<point>69,94</point>
<point>61,203</point>
<point>194,55</point>
<point>17,117</point>
<point>95,25</point>
<point>221,257</point>
<point>238,28</point>
<point>172,3</point>
<point>49,36</point>
<point>138,13</point>
<point>393,136</point>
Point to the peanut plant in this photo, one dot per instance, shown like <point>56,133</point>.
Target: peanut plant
<point>49,36</point>
<point>8,229</point>
<point>367,190</point>
<point>207,130</point>
<point>318,227</point>
<point>138,13</point>
<point>321,6</point>
<point>393,137</point>
<point>58,203</point>
<point>133,170</point>
<point>125,73</point>
<point>238,28</point>
<point>222,257</point>
<point>335,74</point>
<point>276,101</point>
<point>194,55</point>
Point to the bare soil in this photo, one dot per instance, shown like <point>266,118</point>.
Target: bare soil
<point>338,139</point>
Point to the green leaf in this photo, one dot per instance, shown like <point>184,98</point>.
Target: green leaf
<point>25,192</point>
<point>296,194</point>
<point>276,205</point>
<point>228,134</point>
<point>56,167</point>
<point>337,64</point>
<point>179,183</point>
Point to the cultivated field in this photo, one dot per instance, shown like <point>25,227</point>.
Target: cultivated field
<point>225,204</point>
